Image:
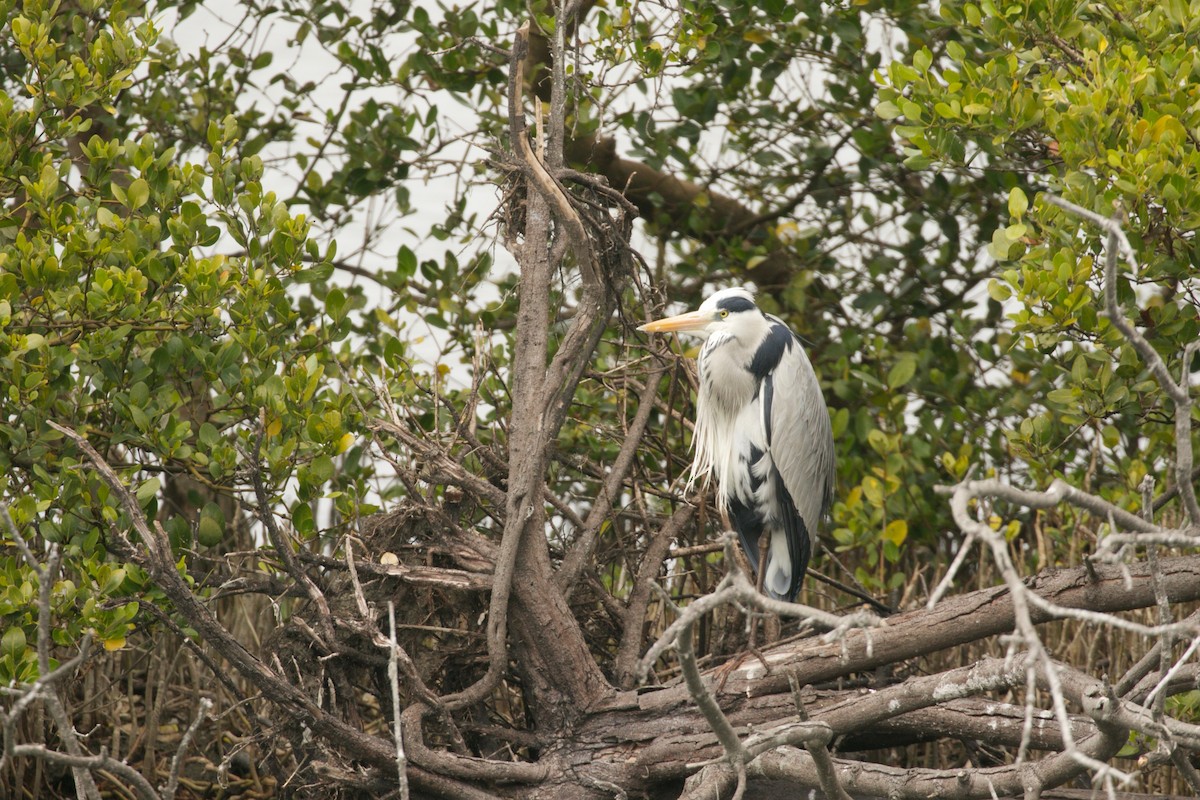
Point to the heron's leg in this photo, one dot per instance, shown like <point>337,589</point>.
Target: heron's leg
<point>744,562</point>
<point>764,546</point>
<point>739,555</point>
<point>752,619</point>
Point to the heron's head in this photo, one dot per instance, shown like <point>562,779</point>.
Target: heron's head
<point>729,311</point>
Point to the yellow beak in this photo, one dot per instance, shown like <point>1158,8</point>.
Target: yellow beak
<point>691,321</point>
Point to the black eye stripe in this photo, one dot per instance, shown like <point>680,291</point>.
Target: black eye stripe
<point>735,304</point>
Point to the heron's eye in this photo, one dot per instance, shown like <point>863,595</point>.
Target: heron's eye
<point>724,313</point>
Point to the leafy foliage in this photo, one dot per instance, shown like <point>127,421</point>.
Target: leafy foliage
<point>119,319</point>
<point>1090,102</point>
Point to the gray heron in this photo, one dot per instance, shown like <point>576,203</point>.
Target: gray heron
<point>762,431</point>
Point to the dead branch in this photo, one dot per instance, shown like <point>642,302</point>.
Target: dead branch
<point>581,551</point>
<point>172,785</point>
<point>159,563</point>
<point>394,684</point>
<point>87,765</point>
<point>632,629</point>
<point>734,588</point>
<point>818,749</point>
<point>1100,701</point>
<point>283,547</point>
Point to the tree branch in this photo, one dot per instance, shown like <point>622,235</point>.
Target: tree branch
<point>968,618</point>
<point>161,568</point>
<point>633,625</point>
<point>735,588</point>
<point>579,554</point>
<point>1117,245</point>
<point>523,508</point>
<point>281,544</point>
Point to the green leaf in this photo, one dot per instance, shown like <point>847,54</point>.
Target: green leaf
<point>902,372</point>
<point>322,469</point>
<point>887,110</point>
<point>1065,396</point>
<point>209,531</point>
<point>922,59</point>
<point>137,194</point>
<point>335,304</point>
<point>114,581</point>
<point>13,643</point>
<point>302,519</point>
<point>945,110</point>
<point>873,489</point>
<point>841,419</point>
<point>406,262</point>
<point>208,435</point>
<point>1177,10</point>
<point>148,490</point>
<point>1000,244</point>
<point>1017,203</point>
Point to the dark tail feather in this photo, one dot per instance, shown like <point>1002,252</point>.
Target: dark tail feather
<point>796,532</point>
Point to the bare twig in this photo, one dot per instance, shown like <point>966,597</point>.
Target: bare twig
<point>29,695</point>
<point>360,599</point>
<point>1169,671</point>
<point>947,580</point>
<point>153,539</point>
<point>172,786</point>
<point>45,687</point>
<point>735,588</point>
<point>819,750</point>
<point>634,621</point>
<point>394,683</point>
<point>965,493</point>
<point>1025,627</point>
<point>1113,543</point>
<point>161,567</point>
<point>276,688</point>
<point>585,545</point>
<point>734,751</point>
<point>1183,763</point>
<point>541,179</point>
<point>283,545</point>
<point>1101,702</point>
<point>89,764</point>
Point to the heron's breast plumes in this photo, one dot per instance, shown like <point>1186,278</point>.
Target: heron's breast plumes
<point>724,416</point>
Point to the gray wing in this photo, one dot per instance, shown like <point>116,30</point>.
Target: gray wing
<point>800,437</point>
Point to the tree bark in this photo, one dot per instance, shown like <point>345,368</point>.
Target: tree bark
<point>967,618</point>
<point>653,737</point>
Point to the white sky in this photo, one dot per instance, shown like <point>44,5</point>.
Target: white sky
<point>212,22</point>
<point>309,61</point>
